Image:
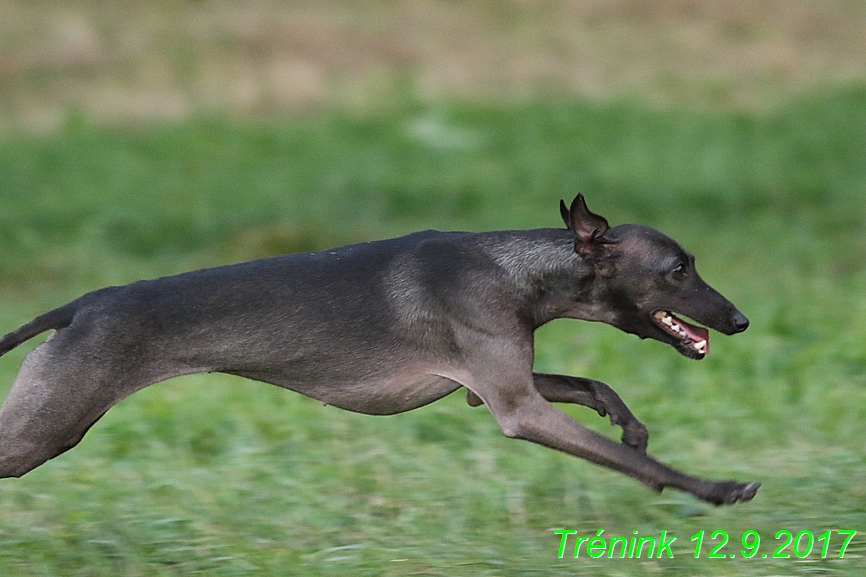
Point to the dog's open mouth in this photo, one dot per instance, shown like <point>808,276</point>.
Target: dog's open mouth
<point>692,338</point>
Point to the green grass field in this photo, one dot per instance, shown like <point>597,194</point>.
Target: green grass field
<point>215,475</point>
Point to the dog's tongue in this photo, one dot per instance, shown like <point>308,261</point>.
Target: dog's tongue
<point>697,334</point>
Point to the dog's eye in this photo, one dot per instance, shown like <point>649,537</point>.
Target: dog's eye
<point>679,271</point>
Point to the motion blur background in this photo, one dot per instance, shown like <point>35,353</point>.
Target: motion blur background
<point>125,62</point>
<point>140,139</point>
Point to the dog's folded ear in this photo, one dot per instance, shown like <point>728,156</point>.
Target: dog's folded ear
<point>586,226</point>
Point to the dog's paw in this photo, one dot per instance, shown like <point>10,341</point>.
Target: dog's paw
<point>635,435</point>
<point>729,492</point>
<point>472,399</point>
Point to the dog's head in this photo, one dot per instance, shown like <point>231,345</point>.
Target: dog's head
<point>645,279</point>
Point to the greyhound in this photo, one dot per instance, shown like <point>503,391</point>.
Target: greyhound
<point>381,328</point>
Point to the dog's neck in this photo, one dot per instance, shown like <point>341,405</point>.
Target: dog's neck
<point>547,275</point>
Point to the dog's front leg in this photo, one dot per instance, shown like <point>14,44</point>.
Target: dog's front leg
<point>535,419</point>
<point>501,376</point>
<point>565,389</point>
<point>588,393</point>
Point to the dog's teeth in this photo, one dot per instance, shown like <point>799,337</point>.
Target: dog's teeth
<point>668,320</point>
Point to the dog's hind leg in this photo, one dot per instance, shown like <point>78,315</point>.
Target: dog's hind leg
<point>49,408</point>
<point>588,393</point>
<point>64,386</point>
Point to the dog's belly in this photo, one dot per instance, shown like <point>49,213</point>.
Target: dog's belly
<point>382,395</point>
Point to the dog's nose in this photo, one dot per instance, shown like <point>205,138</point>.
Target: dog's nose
<point>741,323</point>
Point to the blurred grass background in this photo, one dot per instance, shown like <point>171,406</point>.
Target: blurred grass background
<point>143,139</point>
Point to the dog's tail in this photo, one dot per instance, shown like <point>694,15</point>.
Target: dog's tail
<point>57,319</point>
